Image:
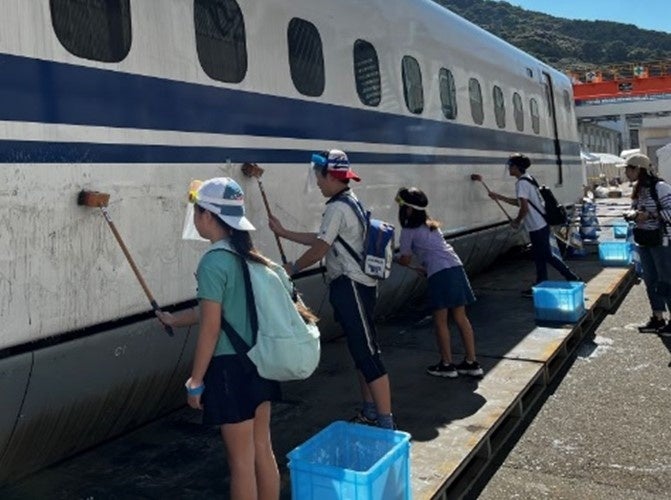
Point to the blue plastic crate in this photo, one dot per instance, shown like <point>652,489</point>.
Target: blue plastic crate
<point>620,229</point>
<point>352,461</point>
<point>559,301</point>
<point>615,253</point>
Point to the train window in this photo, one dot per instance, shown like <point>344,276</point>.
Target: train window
<point>475,96</point>
<point>499,107</point>
<point>412,85</point>
<point>448,93</point>
<point>535,116</point>
<point>367,73</point>
<point>306,57</point>
<point>567,100</point>
<point>220,39</point>
<point>99,30</point>
<point>518,112</point>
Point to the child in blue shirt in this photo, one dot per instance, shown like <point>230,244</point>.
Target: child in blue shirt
<point>449,290</point>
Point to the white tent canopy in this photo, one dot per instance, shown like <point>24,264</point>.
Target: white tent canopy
<point>600,168</point>
<point>607,159</point>
<point>588,157</point>
<point>626,153</point>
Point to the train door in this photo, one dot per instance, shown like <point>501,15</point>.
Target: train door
<point>552,111</point>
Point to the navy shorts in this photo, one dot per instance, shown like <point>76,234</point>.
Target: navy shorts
<point>233,391</point>
<point>449,288</point>
<point>353,306</point>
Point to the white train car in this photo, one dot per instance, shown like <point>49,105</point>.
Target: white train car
<point>137,97</point>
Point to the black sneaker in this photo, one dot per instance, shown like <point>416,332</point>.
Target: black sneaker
<point>472,369</point>
<point>528,294</point>
<point>665,331</point>
<point>443,370</point>
<point>653,326</point>
<point>360,418</point>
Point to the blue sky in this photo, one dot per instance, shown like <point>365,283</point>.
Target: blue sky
<point>646,14</point>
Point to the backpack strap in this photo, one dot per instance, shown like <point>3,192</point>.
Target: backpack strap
<point>239,345</point>
<point>360,214</point>
<point>533,181</point>
<point>655,197</point>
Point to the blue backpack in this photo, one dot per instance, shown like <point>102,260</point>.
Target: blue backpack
<point>378,242</point>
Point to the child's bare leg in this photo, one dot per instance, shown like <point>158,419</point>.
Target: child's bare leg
<point>442,335</point>
<point>466,330</point>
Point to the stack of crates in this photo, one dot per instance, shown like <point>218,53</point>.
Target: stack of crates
<point>589,224</point>
<point>352,461</point>
<point>559,301</point>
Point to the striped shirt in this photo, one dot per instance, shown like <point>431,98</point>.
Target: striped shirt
<point>646,203</point>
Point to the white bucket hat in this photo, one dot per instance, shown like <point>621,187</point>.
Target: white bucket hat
<point>225,198</point>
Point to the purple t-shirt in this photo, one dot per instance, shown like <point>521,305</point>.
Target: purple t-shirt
<point>429,247</point>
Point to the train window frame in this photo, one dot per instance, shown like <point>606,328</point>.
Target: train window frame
<point>368,83</point>
<point>413,89</point>
<point>499,106</point>
<point>477,105</point>
<point>534,112</point>
<point>222,58</point>
<point>307,73</point>
<point>448,94</point>
<point>518,111</point>
<point>85,39</point>
<point>567,99</point>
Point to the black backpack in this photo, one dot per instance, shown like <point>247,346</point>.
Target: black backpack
<point>555,213</point>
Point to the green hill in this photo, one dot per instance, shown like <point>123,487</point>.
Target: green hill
<point>565,43</point>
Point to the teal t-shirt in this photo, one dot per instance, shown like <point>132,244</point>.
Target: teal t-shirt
<point>220,280</point>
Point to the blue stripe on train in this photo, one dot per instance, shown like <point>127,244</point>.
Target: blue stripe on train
<point>51,92</point>
<point>79,152</point>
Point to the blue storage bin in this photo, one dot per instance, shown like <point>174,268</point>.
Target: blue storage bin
<point>615,253</point>
<point>620,229</point>
<point>559,301</point>
<point>352,461</point>
<point>589,232</point>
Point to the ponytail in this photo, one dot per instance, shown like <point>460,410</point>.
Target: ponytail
<point>241,241</point>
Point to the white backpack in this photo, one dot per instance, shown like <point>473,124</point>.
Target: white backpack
<point>284,347</point>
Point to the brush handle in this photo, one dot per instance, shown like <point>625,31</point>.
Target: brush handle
<point>277,238</point>
<point>497,201</point>
<point>135,269</point>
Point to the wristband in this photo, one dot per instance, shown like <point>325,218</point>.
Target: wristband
<point>194,391</point>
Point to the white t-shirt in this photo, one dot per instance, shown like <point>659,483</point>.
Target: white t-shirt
<point>534,220</point>
<point>339,219</point>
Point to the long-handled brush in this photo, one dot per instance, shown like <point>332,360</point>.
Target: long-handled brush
<point>100,200</point>
<point>253,170</point>
<point>478,177</point>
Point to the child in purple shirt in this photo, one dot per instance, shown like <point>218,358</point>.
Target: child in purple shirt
<point>448,287</point>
